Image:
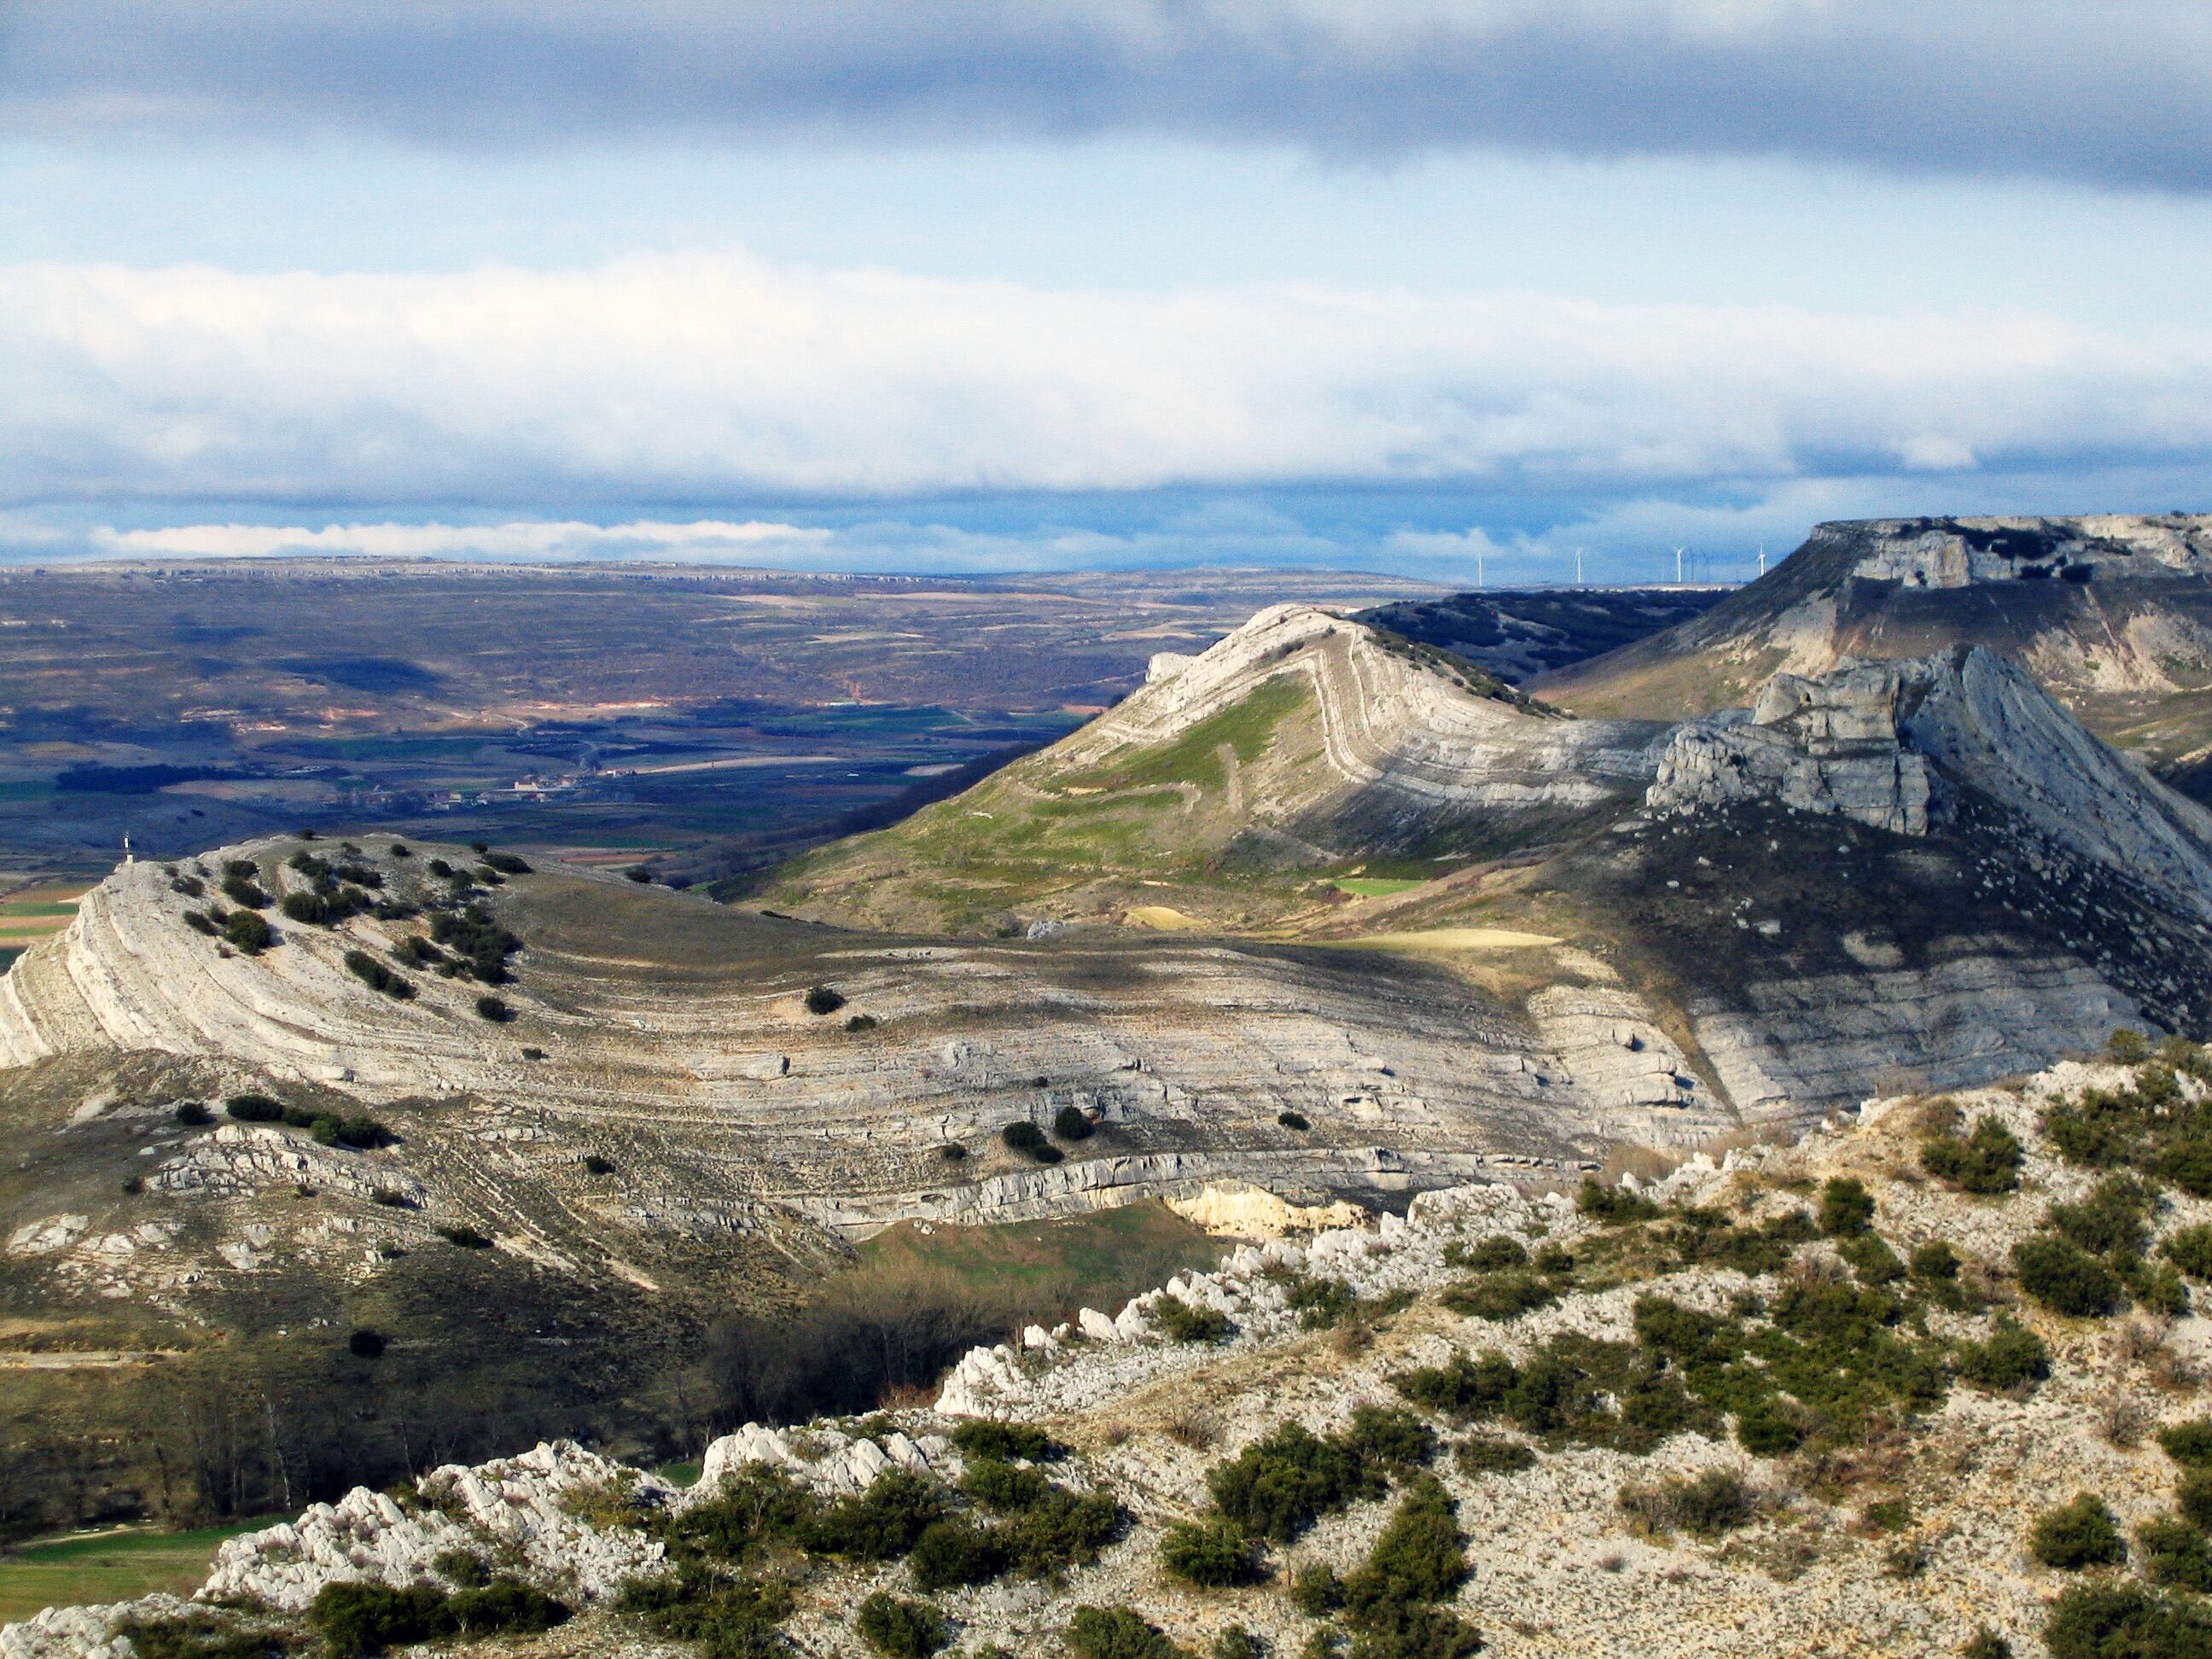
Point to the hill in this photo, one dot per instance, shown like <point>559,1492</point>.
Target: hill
<point>1930,1383</point>
<point>2112,613</point>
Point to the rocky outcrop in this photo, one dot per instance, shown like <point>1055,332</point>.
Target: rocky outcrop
<point>1825,746</point>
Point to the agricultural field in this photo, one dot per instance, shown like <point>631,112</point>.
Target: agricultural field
<point>113,1565</point>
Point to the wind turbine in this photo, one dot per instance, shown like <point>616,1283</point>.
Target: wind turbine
<point>1762,558</point>
<point>1578,566</point>
<point>1678,567</point>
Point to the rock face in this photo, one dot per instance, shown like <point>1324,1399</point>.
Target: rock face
<point>1829,746</point>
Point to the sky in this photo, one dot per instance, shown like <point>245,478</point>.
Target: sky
<point>1456,289</point>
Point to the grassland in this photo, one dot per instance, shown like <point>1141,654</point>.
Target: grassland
<point>109,1566</point>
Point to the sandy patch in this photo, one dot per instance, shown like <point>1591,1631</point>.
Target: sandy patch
<point>1457,939</point>
<point>1165,918</point>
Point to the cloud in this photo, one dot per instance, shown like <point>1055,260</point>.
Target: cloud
<point>680,381</point>
<point>2119,93</point>
<point>703,539</point>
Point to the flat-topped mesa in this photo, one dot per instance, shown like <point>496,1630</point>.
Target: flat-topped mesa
<point>1960,552</point>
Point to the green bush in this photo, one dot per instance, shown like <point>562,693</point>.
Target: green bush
<point>1072,1123</point>
<point>952,1552</point>
<point>822,1000</point>
<point>1116,1633</point>
<point>507,864</point>
<point>1463,1390</point>
<point>879,1524</point>
<point>599,1165</point>
<point>1872,1259</point>
<point>193,1115</point>
<point>1236,1643</point>
<point>1390,1437</point>
<point>2189,1249</point>
<point>1614,1205</point>
<point>899,1629</point>
<point>729,1618</point>
<point>377,977</point>
<point>1500,1297</point>
<point>2111,1221</point>
<point>246,932</point>
<point>200,923</point>
<point>1492,1255</point>
<point>365,1343</point>
<point>1988,1161</point>
<point>1482,1453</point>
<point>2065,1278</point>
<point>1417,1557</point>
<point>1004,1442</point>
<point>2176,1554</point>
<point>310,907</point>
<point>1279,1486</point>
<point>1846,1207</point>
<point>254,1108</point>
<point>494,1009</point>
<point>467,1238</point>
<point>1212,1553</point>
<point>1003,1487</point>
<point>2010,1358</point>
<point>1182,1322</point>
<point>1060,1530</point>
<point>2189,1443</point>
<point>1024,1136</point>
<point>1708,1506</point>
<point>2121,1620</point>
<point>2081,1534</point>
<point>199,1636</point>
<point>1317,1592</point>
<point>243,890</point>
<point>358,1619</point>
<point>1936,1262</point>
<point>1297,1120</point>
<point>2193,1493</point>
<point>503,1605</point>
<point>1769,1428</point>
<point>1321,1303</point>
<point>1985,1644</point>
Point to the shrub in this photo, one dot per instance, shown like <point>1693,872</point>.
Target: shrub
<point>190,886</point>
<point>1210,1554</point>
<point>1322,1303</point>
<point>311,908</point>
<point>503,1604</point>
<point>952,1552</point>
<point>1390,1437</point>
<point>243,890</point>
<point>730,1618</point>
<point>953,1152</point>
<point>1417,1557</point>
<point>1004,1442</point>
<point>254,1108</point>
<point>821,999</point>
<point>1936,1262</point>
<point>401,850</point>
<point>1002,1486</point>
<point>356,1619</point>
<point>1464,1389</point>
<point>2011,1356</point>
<point>507,864</point>
<point>1988,1161</point>
<point>1060,1530</point>
<point>1614,1205</point>
<point>2065,1278</point>
<point>1182,1322</point>
<point>480,847</point>
<point>2193,1493</point>
<point>481,943</point>
<point>2110,1221</point>
<point>365,1343</point>
<point>1501,1297</point>
<point>1846,1207</point>
<point>245,931</point>
<point>2189,1444</point>
<point>1317,1591</point>
<point>494,1009</point>
<point>2176,1554</point>
<point>391,1198</point>
<point>1872,1259</point>
<point>640,874</point>
<point>1297,1120</point>
<point>1072,1123</point>
<point>534,1053</point>
<point>199,1636</point>
<point>1278,1486</point>
<point>2082,1534</point>
<point>2127,1046</point>
<point>2122,1620</point>
<point>377,977</point>
<point>1025,1136</point>
<point>1705,1506</point>
<point>193,1115</point>
<point>465,1237</point>
<point>1482,1453</point>
<point>1236,1643</point>
<point>199,923</point>
<point>2189,1249</point>
<point>1984,1643</point>
<point>860,1022</point>
<point>879,1524</point>
<point>1116,1633</point>
<point>439,868</point>
<point>1768,1428</point>
<point>597,1163</point>
<point>899,1629</point>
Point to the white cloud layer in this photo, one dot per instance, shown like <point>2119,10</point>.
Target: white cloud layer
<point>2117,92</point>
<point>695,378</point>
<point>701,539</point>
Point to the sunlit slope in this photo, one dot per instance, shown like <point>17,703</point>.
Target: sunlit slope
<point>1301,747</point>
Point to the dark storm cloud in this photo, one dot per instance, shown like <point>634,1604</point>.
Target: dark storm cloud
<point>2115,93</point>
